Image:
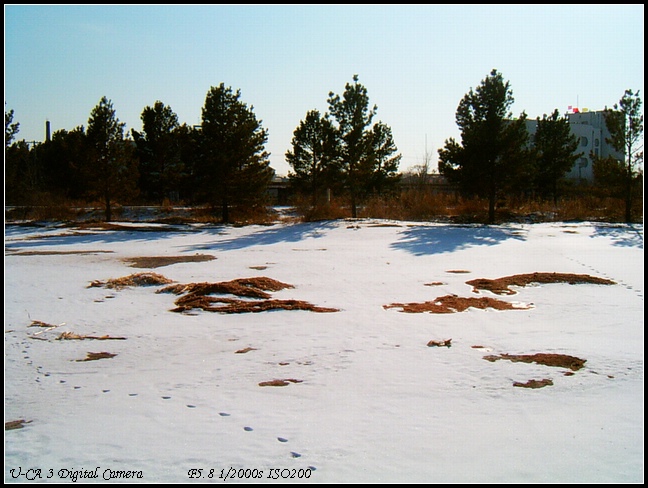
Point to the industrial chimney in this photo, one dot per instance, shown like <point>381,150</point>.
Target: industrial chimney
<point>47,131</point>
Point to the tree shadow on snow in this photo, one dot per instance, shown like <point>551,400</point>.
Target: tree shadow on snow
<point>75,237</point>
<point>426,240</point>
<point>624,235</point>
<point>268,236</point>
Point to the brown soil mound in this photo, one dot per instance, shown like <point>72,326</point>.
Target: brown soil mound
<point>534,383</point>
<point>453,303</point>
<point>500,286</point>
<point>548,359</point>
<point>285,382</point>
<point>138,279</point>
<point>93,356</point>
<point>159,261</point>
<point>446,343</point>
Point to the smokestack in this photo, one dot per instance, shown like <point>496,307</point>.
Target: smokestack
<point>47,131</point>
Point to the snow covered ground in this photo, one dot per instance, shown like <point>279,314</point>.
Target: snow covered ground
<point>371,401</point>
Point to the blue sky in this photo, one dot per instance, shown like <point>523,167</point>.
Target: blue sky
<point>416,61</point>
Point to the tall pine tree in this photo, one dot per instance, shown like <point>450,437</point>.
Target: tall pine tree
<point>110,169</point>
<point>492,151</point>
<point>234,166</point>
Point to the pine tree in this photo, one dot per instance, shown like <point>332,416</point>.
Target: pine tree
<point>490,158</point>
<point>159,150</point>
<point>314,156</point>
<point>234,166</point>
<point>555,153</point>
<point>625,124</point>
<point>110,169</point>
<point>354,117</point>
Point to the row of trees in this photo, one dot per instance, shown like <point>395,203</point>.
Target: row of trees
<point>223,162</point>
<point>496,156</point>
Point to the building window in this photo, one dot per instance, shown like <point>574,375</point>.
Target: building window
<point>584,141</point>
<point>596,143</point>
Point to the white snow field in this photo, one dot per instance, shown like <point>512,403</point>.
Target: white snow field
<point>365,399</point>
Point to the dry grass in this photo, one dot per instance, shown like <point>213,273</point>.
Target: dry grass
<point>547,359</point>
<point>137,279</point>
<point>500,286</point>
<point>242,287</point>
<point>231,305</point>
<point>73,336</point>
<point>199,296</point>
<point>453,303</point>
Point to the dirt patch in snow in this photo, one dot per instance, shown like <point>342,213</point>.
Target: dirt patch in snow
<point>52,253</point>
<point>94,356</point>
<point>453,303</point>
<point>534,383</point>
<point>547,359</point>
<point>284,382</point>
<point>159,261</point>
<point>500,286</point>
<point>16,424</point>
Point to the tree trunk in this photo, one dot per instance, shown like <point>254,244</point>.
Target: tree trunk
<point>225,212</point>
<point>491,207</point>
<point>628,197</point>
<point>108,208</point>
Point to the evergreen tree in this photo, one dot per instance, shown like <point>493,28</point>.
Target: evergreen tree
<point>59,159</point>
<point>625,124</point>
<point>491,156</point>
<point>159,151</point>
<point>354,117</point>
<point>555,153</point>
<point>110,170</point>
<point>234,167</point>
<point>11,128</point>
<point>314,157</point>
<point>383,163</point>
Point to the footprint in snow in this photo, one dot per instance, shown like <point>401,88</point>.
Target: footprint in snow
<point>281,439</point>
<point>223,414</point>
<point>248,429</point>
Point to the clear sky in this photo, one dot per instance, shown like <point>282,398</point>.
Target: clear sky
<point>416,61</point>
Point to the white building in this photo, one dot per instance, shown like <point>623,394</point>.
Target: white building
<point>592,133</point>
